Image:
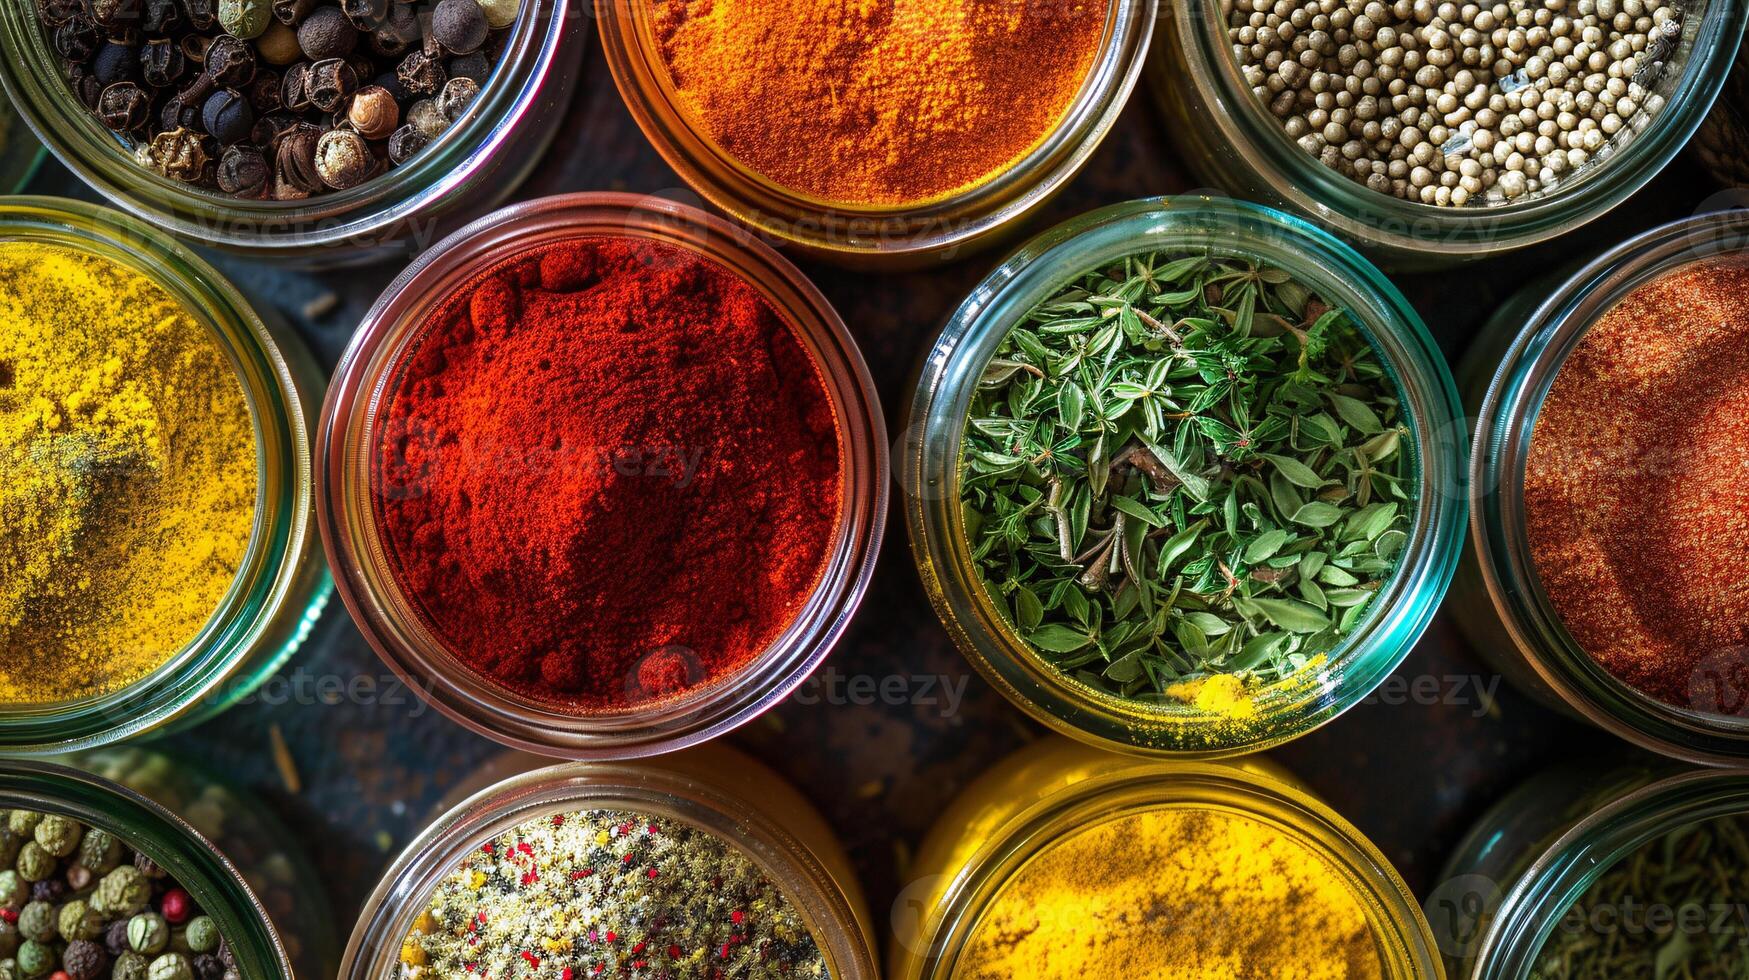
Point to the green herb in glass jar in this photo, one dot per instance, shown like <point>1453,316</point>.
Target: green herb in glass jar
<point>1185,476</point>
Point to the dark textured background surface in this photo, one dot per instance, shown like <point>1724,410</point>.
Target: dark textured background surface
<point>1411,775</point>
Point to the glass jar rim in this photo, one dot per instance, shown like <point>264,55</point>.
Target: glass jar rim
<point>32,79</point>
<point>1504,426</point>
<point>367,585</point>
<point>1372,218</point>
<point>1150,785</point>
<point>846,230</point>
<point>930,471</point>
<point>1531,909</point>
<point>635,787</point>
<point>281,527</point>
<point>192,861</point>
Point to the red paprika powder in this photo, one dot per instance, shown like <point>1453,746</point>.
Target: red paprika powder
<point>609,473</point>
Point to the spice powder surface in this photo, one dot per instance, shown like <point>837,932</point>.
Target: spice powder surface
<point>127,474</point>
<point>614,894</point>
<point>1636,491</point>
<point>880,103</point>
<point>1174,894</point>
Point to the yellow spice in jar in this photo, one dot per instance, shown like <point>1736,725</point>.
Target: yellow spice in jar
<point>127,474</point>
<point>1175,894</point>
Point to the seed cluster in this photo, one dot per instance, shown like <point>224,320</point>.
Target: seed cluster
<point>281,99</point>
<point>604,893</point>
<point>1454,103</point>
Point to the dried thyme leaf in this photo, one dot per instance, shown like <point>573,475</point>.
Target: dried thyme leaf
<point>1183,466</point>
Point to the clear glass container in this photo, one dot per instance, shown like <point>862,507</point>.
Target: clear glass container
<point>282,584</point>
<point>1232,141</point>
<point>264,852</point>
<point>1506,610</point>
<point>1534,854</point>
<point>351,430</point>
<point>930,468</point>
<point>712,788</point>
<point>1055,787</point>
<point>20,153</point>
<point>475,164</point>
<point>885,236</point>
<point>193,861</point>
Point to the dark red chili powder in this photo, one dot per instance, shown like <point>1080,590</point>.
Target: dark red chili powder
<point>609,473</point>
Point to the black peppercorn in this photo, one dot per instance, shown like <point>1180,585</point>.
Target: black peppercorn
<point>398,33</point>
<point>389,83</point>
<point>295,161</point>
<point>161,17</point>
<point>329,83</point>
<point>123,107</point>
<point>470,66</point>
<point>227,116</point>
<point>343,159</point>
<point>115,63</point>
<point>405,142</point>
<point>291,13</point>
<point>178,113</point>
<point>265,136</point>
<point>243,171</point>
<point>365,15</point>
<point>206,967</point>
<point>162,63</point>
<point>420,74</point>
<point>202,14</point>
<point>84,960</point>
<point>76,41</point>
<point>459,25</point>
<point>54,13</point>
<point>294,89</point>
<point>326,33</point>
<point>230,61</point>
<point>115,937</point>
<point>194,48</point>
<point>85,88</point>
<point>264,92</point>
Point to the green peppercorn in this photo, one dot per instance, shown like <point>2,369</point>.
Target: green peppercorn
<point>171,966</point>
<point>58,835</point>
<point>37,922</point>
<point>100,851</point>
<point>14,890</point>
<point>130,966</point>
<point>35,959</point>
<point>203,934</point>
<point>78,920</point>
<point>34,863</point>
<point>23,821</point>
<point>9,939</point>
<point>245,19</point>
<point>123,891</point>
<point>148,933</point>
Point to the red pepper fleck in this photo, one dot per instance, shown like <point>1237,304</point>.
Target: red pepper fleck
<point>738,916</point>
<point>566,975</point>
<point>612,937</point>
<point>470,967</point>
<point>533,960</point>
<point>558,820</point>
<point>626,860</point>
<point>488,848</point>
<point>651,829</point>
<point>652,874</point>
<point>724,952</point>
<point>599,967</point>
<point>586,872</point>
<point>10,915</point>
<point>674,952</point>
<point>524,848</point>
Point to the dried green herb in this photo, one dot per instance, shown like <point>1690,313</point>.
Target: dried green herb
<point>1676,909</point>
<point>1183,466</point>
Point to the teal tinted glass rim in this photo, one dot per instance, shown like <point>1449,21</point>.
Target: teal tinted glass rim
<point>1504,427</point>
<point>191,860</point>
<point>1354,210</point>
<point>930,470</point>
<point>1533,906</point>
<point>283,524</point>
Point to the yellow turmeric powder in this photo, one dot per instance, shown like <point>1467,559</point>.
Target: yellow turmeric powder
<point>1175,894</point>
<point>127,474</point>
<point>877,102</point>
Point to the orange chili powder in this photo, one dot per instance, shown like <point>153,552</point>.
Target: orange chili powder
<point>877,102</point>
<point>1637,487</point>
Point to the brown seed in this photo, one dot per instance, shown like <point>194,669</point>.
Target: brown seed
<point>291,13</point>
<point>295,161</point>
<point>243,171</point>
<point>279,45</point>
<point>326,33</point>
<point>329,83</point>
<point>124,107</point>
<point>343,159</point>
<point>230,61</point>
<point>420,74</point>
<point>373,112</point>
<point>177,153</point>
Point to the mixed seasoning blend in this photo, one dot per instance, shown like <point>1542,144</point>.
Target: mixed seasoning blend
<point>1185,477</point>
<point>76,903</point>
<point>1635,498</point>
<point>608,893</point>
<point>880,103</point>
<point>1181,893</point>
<point>609,473</point>
<point>1457,102</point>
<point>130,467</point>
<point>280,99</point>
<point>1672,909</point>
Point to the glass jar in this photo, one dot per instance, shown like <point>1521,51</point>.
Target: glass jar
<point>20,153</point>
<point>1232,141</point>
<point>264,852</point>
<point>282,585</point>
<point>1054,787</point>
<point>475,164</point>
<point>1509,615</point>
<point>877,234</point>
<point>1533,855</point>
<point>192,860</point>
<point>930,470</point>
<point>351,430</point>
<point>711,788</point>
